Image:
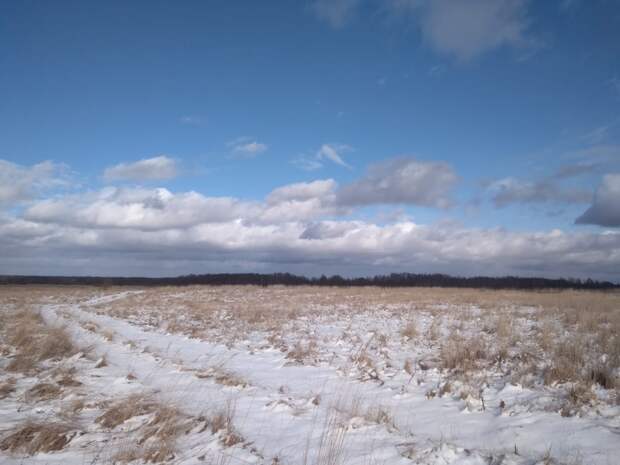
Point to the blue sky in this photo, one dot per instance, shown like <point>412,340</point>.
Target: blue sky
<point>484,125</point>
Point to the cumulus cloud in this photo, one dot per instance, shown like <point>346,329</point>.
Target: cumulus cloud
<point>605,209</point>
<point>141,209</point>
<point>23,183</point>
<point>148,169</point>
<point>508,191</point>
<point>336,13</point>
<point>159,209</point>
<point>402,181</point>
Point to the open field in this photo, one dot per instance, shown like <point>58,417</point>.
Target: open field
<point>311,376</point>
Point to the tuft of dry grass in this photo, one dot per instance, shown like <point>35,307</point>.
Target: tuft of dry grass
<point>122,411</point>
<point>7,387</point>
<point>32,438</point>
<point>70,410</point>
<point>227,378</point>
<point>43,391</point>
<point>409,330</point>
<point>222,423</point>
<point>462,354</point>
<point>330,449</point>
<point>158,441</point>
<point>34,341</point>
<point>158,437</point>
<point>567,361</point>
<point>303,353</point>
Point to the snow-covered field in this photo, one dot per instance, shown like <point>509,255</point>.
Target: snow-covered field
<point>244,375</point>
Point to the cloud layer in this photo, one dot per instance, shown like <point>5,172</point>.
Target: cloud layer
<point>306,227</point>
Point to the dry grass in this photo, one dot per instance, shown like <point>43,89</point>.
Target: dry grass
<point>34,341</point>
<point>463,354</point>
<point>70,410</point>
<point>43,391</point>
<point>222,423</point>
<point>303,352</point>
<point>409,330</point>
<point>160,435</point>
<point>125,409</point>
<point>560,337</point>
<point>7,387</point>
<point>157,438</point>
<point>330,449</point>
<point>32,438</point>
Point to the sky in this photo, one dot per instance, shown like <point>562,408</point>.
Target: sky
<point>353,137</point>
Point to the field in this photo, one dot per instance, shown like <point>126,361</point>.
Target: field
<point>308,376</point>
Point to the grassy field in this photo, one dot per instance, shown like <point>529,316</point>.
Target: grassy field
<point>304,375</point>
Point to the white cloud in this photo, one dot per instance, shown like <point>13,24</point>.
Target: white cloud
<point>299,227</point>
<point>141,209</point>
<point>605,209</point>
<point>246,147</point>
<point>325,246</point>
<point>307,163</point>
<point>303,191</point>
<point>251,148</point>
<point>23,183</point>
<point>467,29</point>
<point>402,181</point>
<point>149,169</point>
<point>330,152</point>
<point>333,153</point>
<point>336,13</point>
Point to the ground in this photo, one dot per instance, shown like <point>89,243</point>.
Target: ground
<point>306,375</point>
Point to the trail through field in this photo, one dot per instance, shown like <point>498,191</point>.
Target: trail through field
<point>283,410</point>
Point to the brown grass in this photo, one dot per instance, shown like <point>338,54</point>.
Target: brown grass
<point>43,391</point>
<point>34,341</point>
<point>330,450</point>
<point>32,438</point>
<point>409,330</point>
<point>157,438</point>
<point>222,423</point>
<point>7,387</point>
<point>462,354</point>
<point>303,352</point>
<point>123,410</point>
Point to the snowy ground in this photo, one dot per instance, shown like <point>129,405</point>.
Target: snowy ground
<point>238,375</point>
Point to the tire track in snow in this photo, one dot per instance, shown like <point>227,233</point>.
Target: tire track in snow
<point>168,366</point>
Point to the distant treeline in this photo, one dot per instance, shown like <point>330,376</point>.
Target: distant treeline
<point>287,279</point>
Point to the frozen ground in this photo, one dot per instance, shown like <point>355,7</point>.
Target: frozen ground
<point>311,376</point>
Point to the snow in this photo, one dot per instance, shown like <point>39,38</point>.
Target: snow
<point>284,408</point>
